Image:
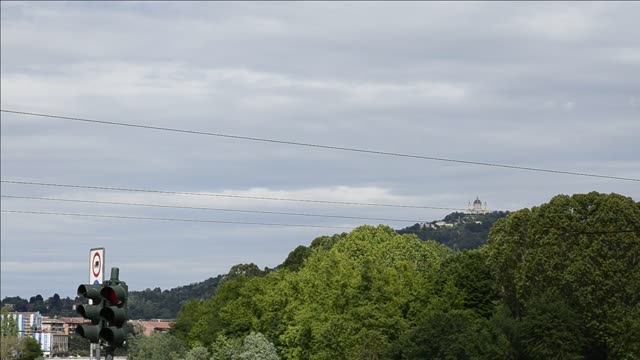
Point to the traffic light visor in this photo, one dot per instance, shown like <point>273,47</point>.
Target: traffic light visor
<point>91,332</point>
<point>114,294</point>
<point>90,291</point>
<point>114,336</point>
<point>114,314</point>
<point>89,311</point>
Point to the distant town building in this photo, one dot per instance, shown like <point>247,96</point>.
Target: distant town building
<point>477,207</point>
<point>54,325</point>
<point>28,322</point>
<point>51,334</point>
<point>57,340</point>
<point>148,327</point>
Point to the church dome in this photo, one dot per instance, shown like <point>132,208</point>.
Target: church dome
<point>477,202</point>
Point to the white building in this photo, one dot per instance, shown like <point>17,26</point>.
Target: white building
<point>28,322</point>
<point>477,207</point>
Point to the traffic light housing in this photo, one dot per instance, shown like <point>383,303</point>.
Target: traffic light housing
<point>115,313</point>
<point>90,311</point>
<point>107,311</point>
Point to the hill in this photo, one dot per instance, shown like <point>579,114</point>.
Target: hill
<point>145,304</point>
<point>159,304</point>
<point>459,231</point>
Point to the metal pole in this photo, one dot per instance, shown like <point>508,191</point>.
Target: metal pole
<point>98,351</point>
<point>109,354</point>
<point>115,274</point>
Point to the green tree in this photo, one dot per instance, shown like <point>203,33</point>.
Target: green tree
<point>225,348</point>
<point>550,329</point>
<point>256,347</point>
<point>9,347</point>
<point>8,325</point>
<point>454,334</point>
<point>197,353</point>
<point>354,299</point>
<point>296,258</point>
<point>78,345</point>
<point>158,346</point>
<point>469,272</point>
<point>586,249</point>
<point>29,349</point>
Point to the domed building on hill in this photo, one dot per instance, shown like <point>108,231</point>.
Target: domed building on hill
<point>477,207</point>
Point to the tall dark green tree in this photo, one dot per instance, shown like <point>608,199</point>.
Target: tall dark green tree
<point>585,249</point>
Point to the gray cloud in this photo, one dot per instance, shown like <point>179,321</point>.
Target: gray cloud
<point>548,85</point>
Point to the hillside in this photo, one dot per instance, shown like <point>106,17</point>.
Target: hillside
<point>159,304</point>
<point>459,231</point>
<point>145,304</point>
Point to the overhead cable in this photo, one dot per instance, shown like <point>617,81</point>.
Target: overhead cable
<point>319,146</point>
<point>175,219</point>
<point>206,208</point>
<point>34,183</point>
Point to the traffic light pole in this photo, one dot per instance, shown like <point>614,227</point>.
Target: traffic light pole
<point>109,354</point>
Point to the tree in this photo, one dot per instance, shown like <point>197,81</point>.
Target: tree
<point>29,349</point>
<point>225,348</point>
<point>158,346</point>
<point>197,353</point>
<point>453,334</point>
<point>8,325</point>
<point>550,329</point>
<point>585,249</point>
<point>256,347</point>
<point>248,270</point>
<point>9,347</point>
<point>469,272</point>
<point>78,345</point>
<point>296,258</point>
<point>358,293</point>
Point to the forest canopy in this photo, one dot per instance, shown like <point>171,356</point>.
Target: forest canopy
<point>561,280</point>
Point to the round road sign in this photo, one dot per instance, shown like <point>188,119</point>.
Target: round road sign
<point>96,264</point>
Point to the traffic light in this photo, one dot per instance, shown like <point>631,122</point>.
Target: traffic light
<point>114,313</point>
<point>107,312</point>
<point>91,311</point>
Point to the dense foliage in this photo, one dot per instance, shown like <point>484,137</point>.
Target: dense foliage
<point>559,281</point>
<point>464,232</point>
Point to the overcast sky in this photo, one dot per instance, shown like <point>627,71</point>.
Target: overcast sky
<point>547,85</point>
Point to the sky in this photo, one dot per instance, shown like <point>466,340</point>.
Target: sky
<point>550,85</point>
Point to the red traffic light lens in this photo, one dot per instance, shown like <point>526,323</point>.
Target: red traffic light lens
<point>111,295</point>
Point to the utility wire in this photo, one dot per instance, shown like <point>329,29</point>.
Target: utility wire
<point>224,195</point>
<point>207,208</point>
<point>320,146</point>
<point>175,219</point>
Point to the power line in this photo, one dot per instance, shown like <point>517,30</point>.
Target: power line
<point>175,219</point>
<point>224,195</point>
<point>206,208</point>
<point>319,146</point>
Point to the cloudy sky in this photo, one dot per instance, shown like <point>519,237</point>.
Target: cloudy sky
<point>546,85</point>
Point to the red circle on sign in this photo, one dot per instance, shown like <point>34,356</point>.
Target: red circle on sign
<point>93,266</point>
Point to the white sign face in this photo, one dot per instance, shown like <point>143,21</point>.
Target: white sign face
<point>96,266</point>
